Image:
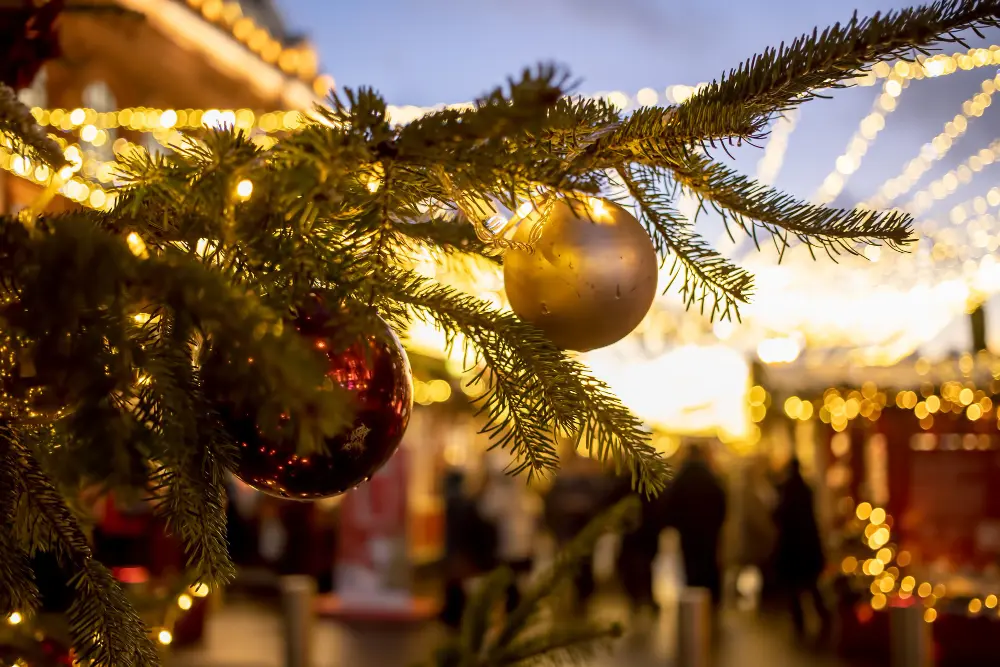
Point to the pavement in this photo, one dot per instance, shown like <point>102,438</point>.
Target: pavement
<point>244,633</point>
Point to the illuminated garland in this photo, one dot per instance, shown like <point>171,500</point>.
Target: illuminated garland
<point>163,633</point>
<point>938,147</point>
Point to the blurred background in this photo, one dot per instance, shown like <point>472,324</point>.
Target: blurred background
<point>835,448</point>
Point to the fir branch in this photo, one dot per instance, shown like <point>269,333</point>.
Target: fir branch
<point>105,630</point>
<point>742,103</point>
<point>623,516</point>
<point>18,591</point>
<point>574,644</point>
<point>449,235</point>
<point>704,272</point>
<point>534,389</point>
<point>189,481</point>
<point>477,617</point>
<point>25,136</point>
<point>752,206</point>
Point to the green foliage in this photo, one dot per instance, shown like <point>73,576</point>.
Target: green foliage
<point>739,106</point>
<point>23,135</point>
<point>523,636</point>
<point>139,344</point>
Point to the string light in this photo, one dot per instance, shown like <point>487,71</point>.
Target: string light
<point>15,618</point>
<point>948,184</point>
<point>937,148</point>
<point>164,637</point>
<point>244,189</point>
<point>857,147</point>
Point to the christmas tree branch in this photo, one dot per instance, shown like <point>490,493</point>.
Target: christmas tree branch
<point>703,271</point>
<point>22,135</point>
<point>188,483</point>
<point>105,630</point>
<point>18,591</point>
<point>575,644</point>
<point>520,638</point>
<point>477,619</point>
<point>534,389</point>
<point>752,206</point>
<point>741,104</point>
<point>621,517</point>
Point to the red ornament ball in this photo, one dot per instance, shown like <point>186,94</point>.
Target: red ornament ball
<point>376,371</point>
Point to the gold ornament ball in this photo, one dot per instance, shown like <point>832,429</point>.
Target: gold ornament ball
<point>591,277</point>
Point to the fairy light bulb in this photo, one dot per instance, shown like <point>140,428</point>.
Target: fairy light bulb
<point>244,188</point>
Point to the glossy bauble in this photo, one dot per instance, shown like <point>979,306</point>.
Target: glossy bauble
<point>376,371</point>
<point>591,277</point>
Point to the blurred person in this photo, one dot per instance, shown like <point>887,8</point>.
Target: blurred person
<point>579,492</point>
<point>639,548</point>
<point>513,507</point>
<point>470,542</point>
<point>695,505</point>
<point>755,528</point>
<point>799,558</point>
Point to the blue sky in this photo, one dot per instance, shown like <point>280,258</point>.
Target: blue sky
<point>425,52</point>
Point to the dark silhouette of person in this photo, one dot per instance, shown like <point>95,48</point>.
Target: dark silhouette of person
<point>695,505</point>
<point>580,491</point>
<point>639,547</point>
<point>799,559</point>
<point>470,544</point>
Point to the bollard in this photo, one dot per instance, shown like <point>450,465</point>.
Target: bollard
<point>910,637</point>
<point>298,593</point>
<point>694,628</point>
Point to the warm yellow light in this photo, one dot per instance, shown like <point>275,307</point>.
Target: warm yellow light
<point>184,601</point>
<point>200,590</point>
<point>598,208</point>
<point>98,199</point>
<point>792,406</point>
<point>439,390</point>
<point>864,511</point>
<point>165,637</point>
<point>886,584</point>
<point>878,601</point>
<point>877,516</point>
<point>244,189</point>
<point>136,245</point>
<point>974,412</point>
<point>933,404</point>
<point>880,537</point>
<point>991,601</point>
<point>849,565</point>
<point>975,606</point>
<point>884,555</point>
<point>907,584</point>
<point>78,117</point>
<point>15,618</point>
<point>966,396</point>
<point>930,615</point>
<point>903,558</point>
<point>940,591</point>
<point>875,568</point>
<point>924,589</point>
<point>88,133</point>
<point>168,119</point>
<point>778,350</point>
